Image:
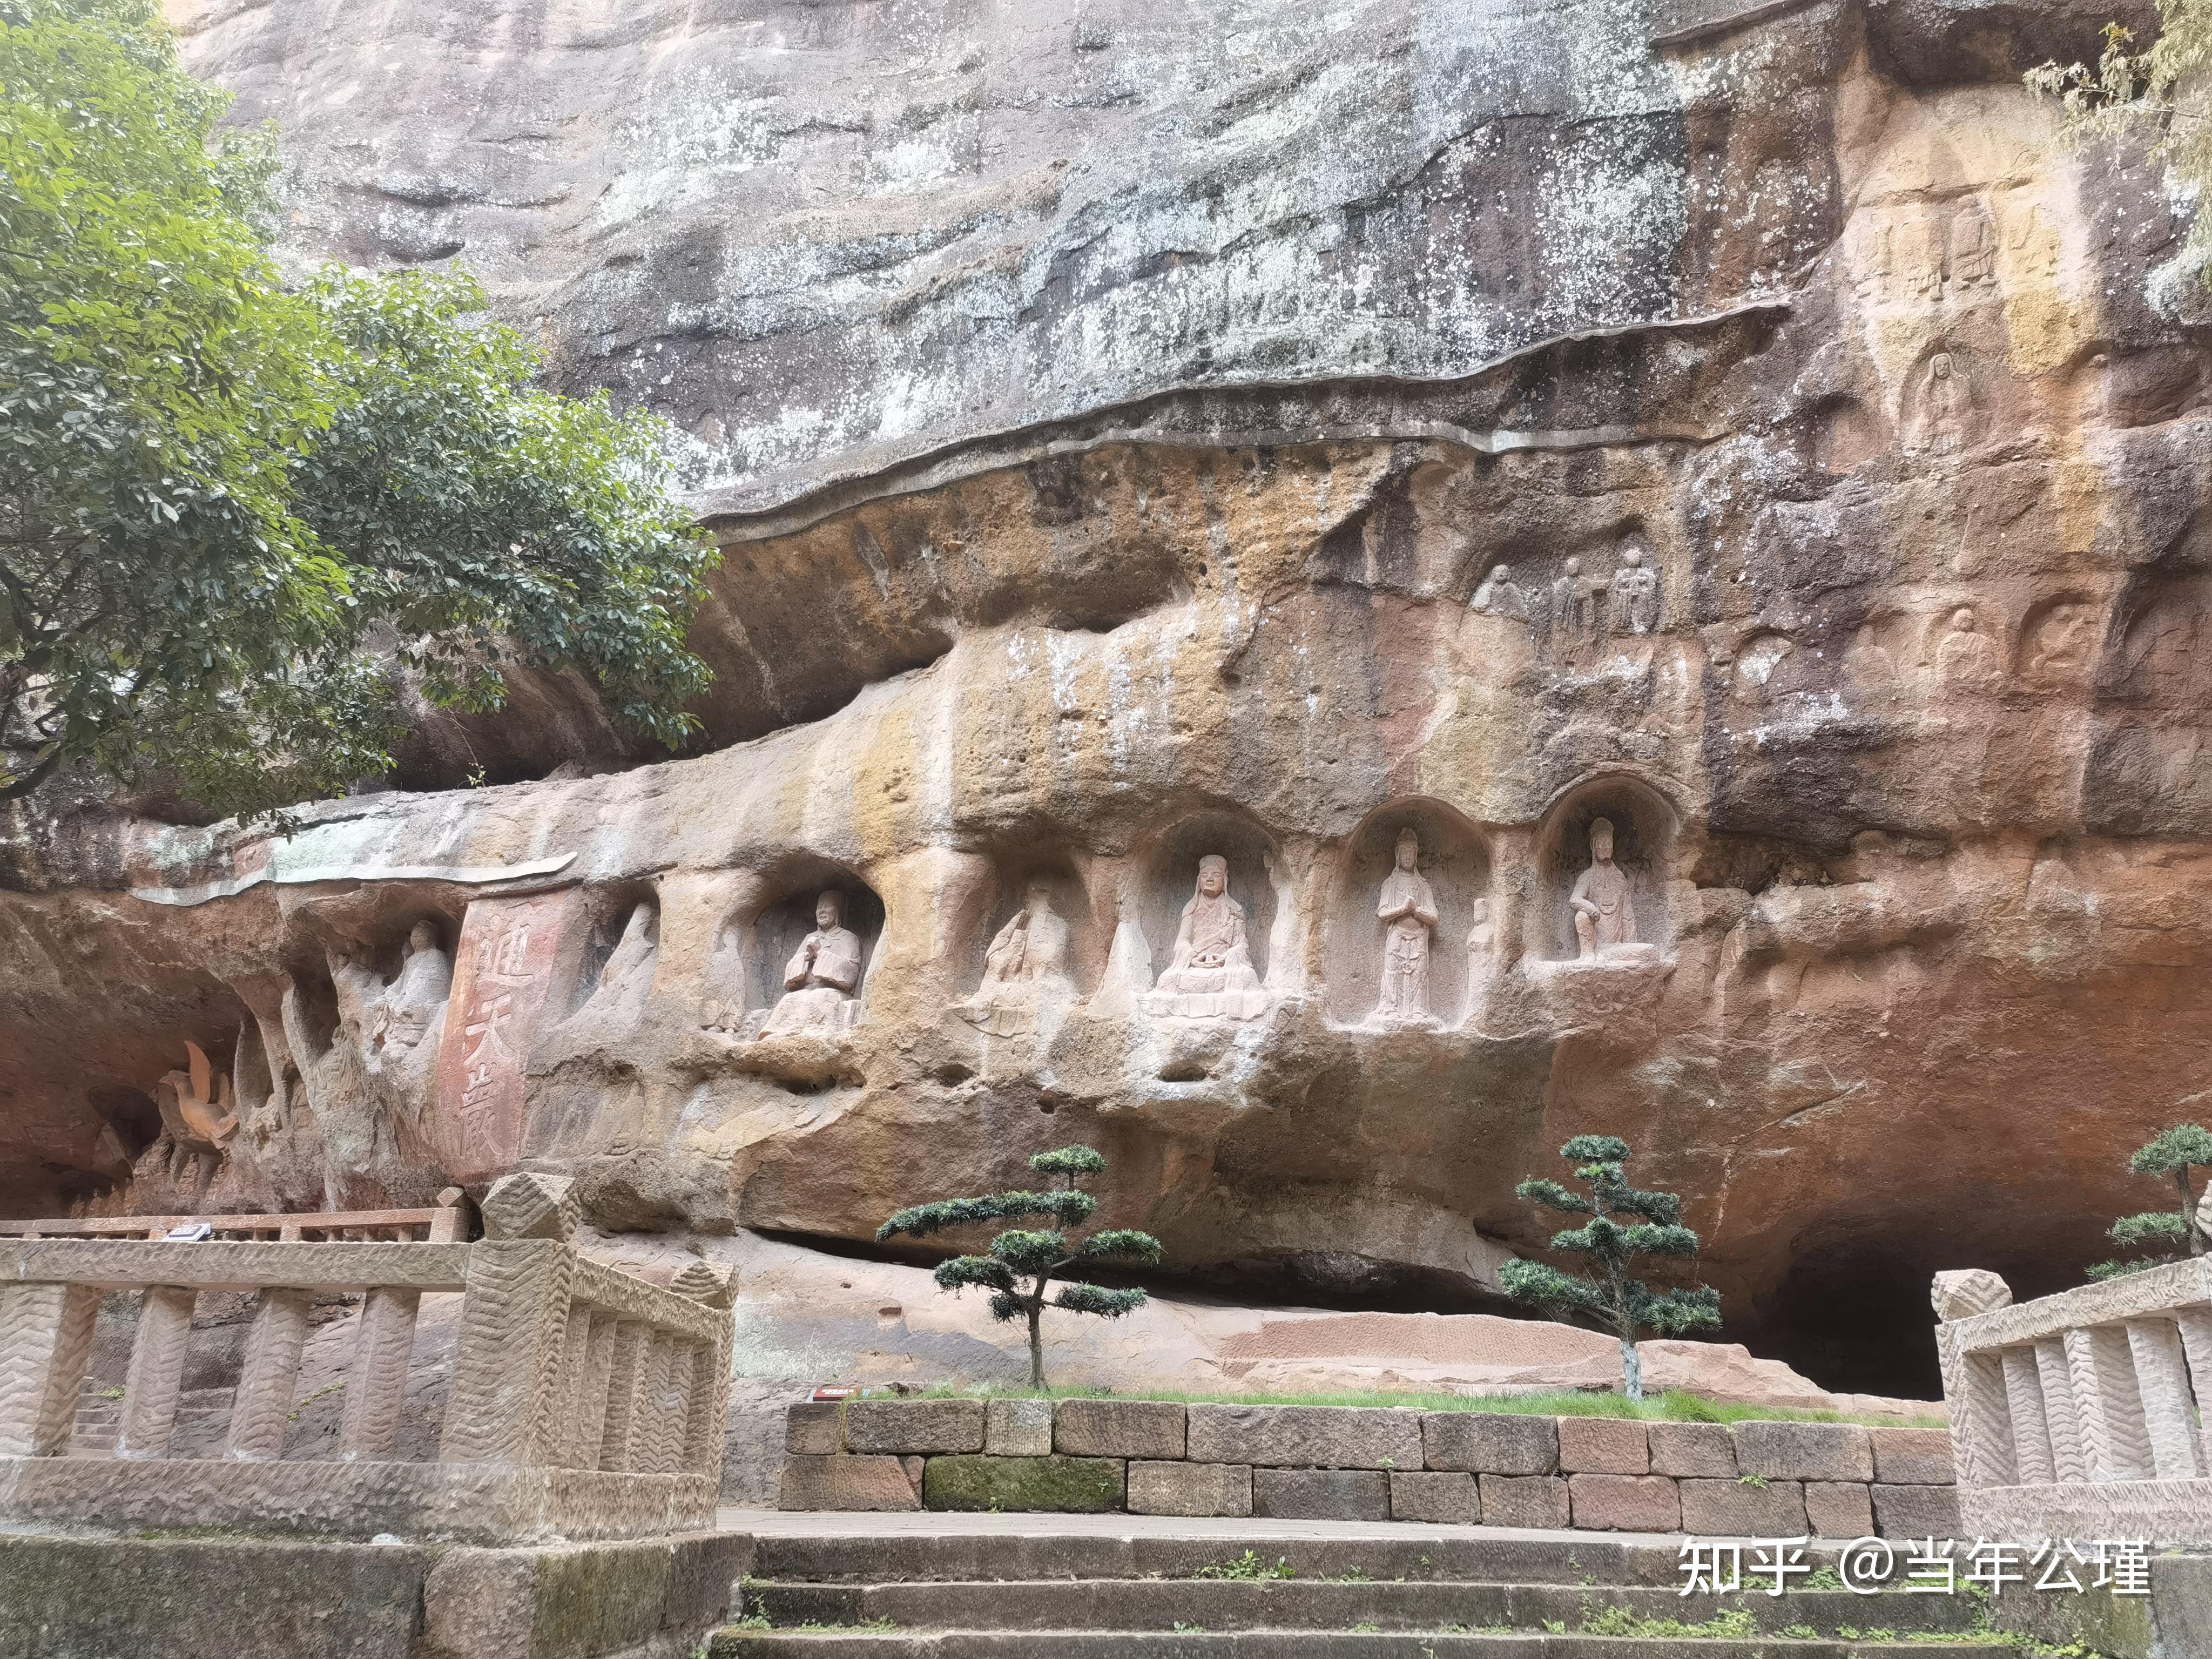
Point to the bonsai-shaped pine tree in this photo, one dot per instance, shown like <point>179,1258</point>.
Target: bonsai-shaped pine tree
<point>1023,1263</point>
<point>2180,1151</point>
<point>1607,1296</point>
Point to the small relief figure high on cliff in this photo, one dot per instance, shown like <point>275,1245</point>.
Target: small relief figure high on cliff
<point>1967,660</point>
<point>1574,604</point>
<point>1211,976</point>
<point>1638,600</point>
<point>1025,986</point>
<point>823,976</point>
<point>1500,596</point>
<point>1407,910</point>
<point>1947,407</point>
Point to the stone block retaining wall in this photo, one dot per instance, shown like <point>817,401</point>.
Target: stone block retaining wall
<point>1355,1463</point>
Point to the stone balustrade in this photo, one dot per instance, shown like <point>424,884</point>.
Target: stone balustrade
<point>585,1402</point>
<point>1357,1463</point>
<point>444,1223</point>
<point>2077,1415</point>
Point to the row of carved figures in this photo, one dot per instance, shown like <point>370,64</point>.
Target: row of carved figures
<point>389,1032</point>
<point>1633,600</point>
<point>1027,985</point>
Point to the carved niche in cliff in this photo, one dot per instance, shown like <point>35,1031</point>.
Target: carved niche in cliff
<point>1211,907</point>
<point>1604,853</point>
<point>1039,958</point>
<point>1388,967</point>
<point>805,957</point>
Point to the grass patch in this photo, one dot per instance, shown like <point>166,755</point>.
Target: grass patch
<point>1736,1624</point>
<point>1675,1405</point>
<point>1248,1565</point>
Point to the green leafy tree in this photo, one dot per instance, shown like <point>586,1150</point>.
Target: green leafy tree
<point>217,493</point>
<point>2175,1235</point>
<point>1024,1262</point>
<point>2165,90</point>
<point>1607,1296</point>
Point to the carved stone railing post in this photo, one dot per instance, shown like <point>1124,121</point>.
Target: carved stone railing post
<point>2114,1441</point>
<point>2161,1375</point>
<point>262,1408</point>
<point>661,1427</point>
<point>708,1410</point>
<point>376,1388</point>
<point>1981,1423</point>
<point>629,1350</point>
<point>45,1337</point>
<point>2068,1462</point>
<point>156,1381</point>
<point>2031,1433</point>
<point>587,1415</point>
<point>514,1318</point>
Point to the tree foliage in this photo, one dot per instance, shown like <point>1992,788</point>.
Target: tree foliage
<point>2167,89</point>
<point>218,492</point>
<point>2171,1235</point>
<point>1607,1296</point>
<point>1022,1262</point>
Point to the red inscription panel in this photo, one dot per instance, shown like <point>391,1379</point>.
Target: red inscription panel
<point>502,974</point>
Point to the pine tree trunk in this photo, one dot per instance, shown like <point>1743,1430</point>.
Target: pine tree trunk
<point>2188,1213</point>
<point>1037,1344</point>
<point>1631,1370</point>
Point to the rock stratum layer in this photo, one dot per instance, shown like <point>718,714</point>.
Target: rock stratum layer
<point>1137,433</point>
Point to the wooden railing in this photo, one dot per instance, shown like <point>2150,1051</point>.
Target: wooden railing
<point>2079,1414</point>
<point>445,1224</point>
<point>584,1402</point>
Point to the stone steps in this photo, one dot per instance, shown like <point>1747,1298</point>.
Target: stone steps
<point>1160,1604</point>
<point>740,1643</point>
<point>1418,1593</point>
<point>955,1552</point>
<point>100,1417</point>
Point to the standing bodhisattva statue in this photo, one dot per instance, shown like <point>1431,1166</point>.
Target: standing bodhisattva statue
<point>1407,910</point>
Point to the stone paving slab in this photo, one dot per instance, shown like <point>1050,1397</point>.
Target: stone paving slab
<point>831,1523</point>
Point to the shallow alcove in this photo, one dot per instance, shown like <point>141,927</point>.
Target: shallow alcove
<point>619,944</point>
<point>1453,860</point>
<point>1644,830</point>
<point>1171,880</point>
<point>1007,894</point>
<point>781,927</point>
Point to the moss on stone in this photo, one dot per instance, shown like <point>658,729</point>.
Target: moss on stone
<point>1066,1485</point>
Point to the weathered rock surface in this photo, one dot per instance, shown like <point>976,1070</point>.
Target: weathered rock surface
<point>1109,416</point>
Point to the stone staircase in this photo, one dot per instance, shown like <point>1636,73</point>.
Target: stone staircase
<point>203,1418</point>
<point>1221,1590</point>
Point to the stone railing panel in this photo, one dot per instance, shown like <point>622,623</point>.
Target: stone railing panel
<point>585,1402</point>
<point>2077,1413</point>
<point>446,1222</point>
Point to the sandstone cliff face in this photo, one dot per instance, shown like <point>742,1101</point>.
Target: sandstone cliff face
<point>1139,432</point>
